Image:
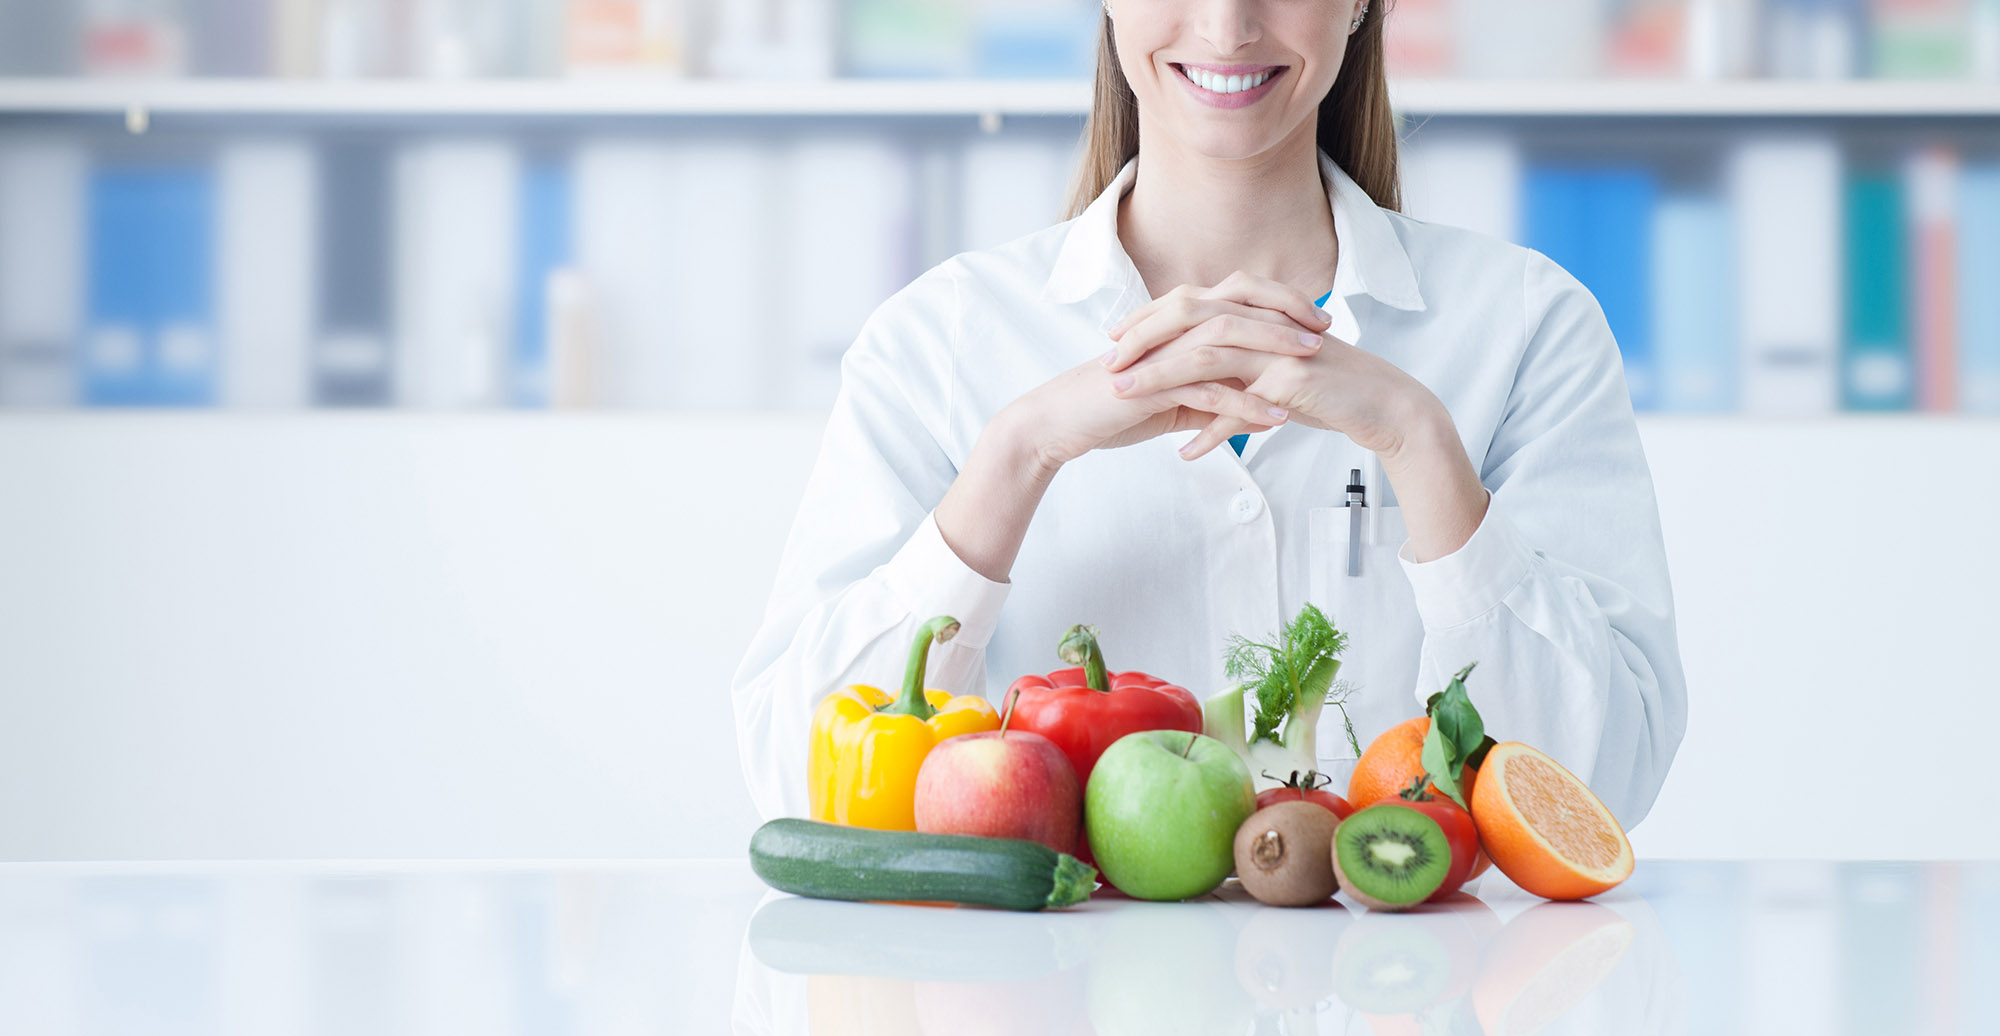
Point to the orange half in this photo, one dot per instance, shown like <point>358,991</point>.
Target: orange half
<point>1544,828</point>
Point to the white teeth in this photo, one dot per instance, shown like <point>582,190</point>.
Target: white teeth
<point>1226,84</point>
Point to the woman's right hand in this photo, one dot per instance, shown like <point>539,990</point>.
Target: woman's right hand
<point>1077,411</point>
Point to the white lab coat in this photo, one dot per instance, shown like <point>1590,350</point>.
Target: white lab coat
<point>1561,594</point>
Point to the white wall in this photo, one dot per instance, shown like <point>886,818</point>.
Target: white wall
<point>399,635</point>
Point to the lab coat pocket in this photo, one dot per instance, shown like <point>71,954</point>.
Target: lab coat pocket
<point>1376,610</point>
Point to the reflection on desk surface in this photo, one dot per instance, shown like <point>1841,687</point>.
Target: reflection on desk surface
<point>683,947</point>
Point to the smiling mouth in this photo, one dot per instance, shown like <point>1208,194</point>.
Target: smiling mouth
<point>1273,72</point>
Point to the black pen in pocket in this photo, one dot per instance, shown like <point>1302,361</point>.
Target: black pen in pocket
<point>1357,502</point>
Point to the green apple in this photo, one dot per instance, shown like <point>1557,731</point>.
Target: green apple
<point>1161,812</point>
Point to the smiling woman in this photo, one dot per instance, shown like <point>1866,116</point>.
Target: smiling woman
<point>1443,460</point>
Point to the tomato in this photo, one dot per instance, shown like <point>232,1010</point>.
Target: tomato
<point>1459,832</point>
<point>1306,786</point>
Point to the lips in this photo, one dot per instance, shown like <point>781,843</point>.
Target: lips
<point>1247,70</point>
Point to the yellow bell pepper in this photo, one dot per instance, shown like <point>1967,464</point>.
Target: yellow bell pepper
<point>867,747</point>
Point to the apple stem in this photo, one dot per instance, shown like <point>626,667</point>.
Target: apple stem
<point>1189,748</point>
<point>1007,714</point>
<point>913,702</point>
<point>1079,647</point>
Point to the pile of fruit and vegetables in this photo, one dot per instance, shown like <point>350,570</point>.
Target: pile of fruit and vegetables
<point>1124,779</point>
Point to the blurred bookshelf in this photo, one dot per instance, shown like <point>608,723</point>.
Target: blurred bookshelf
<point>1786,207</point>
<point>972,97</point>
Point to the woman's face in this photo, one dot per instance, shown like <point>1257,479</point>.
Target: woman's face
<point>1298,44</point>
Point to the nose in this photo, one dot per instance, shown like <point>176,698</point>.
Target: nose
<point>1228,25</point>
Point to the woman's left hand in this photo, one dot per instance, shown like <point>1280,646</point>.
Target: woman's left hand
<point>1338,387</point>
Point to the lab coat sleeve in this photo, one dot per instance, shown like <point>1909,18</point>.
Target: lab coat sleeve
<point>1561,594</point>
<point>864,564</point>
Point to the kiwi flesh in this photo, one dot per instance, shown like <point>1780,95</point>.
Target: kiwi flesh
<point>1390,857</point>
<point>1284,854</point>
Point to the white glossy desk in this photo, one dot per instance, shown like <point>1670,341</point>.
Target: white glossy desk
<point>702,947</point>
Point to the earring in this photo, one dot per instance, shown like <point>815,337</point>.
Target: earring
<point>1360,15</point>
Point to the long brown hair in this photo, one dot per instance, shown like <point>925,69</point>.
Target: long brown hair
<point>1356,128</point>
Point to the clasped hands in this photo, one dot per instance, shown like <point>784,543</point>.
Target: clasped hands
<point>1255,354</point>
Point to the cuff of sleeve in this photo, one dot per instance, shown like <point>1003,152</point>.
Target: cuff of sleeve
<point>1475,578</point>
<point>929,578</point>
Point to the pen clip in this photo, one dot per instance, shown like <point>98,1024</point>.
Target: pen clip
<point>1357,502</point>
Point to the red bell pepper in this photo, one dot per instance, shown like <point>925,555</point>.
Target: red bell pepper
<point>1084,709</point>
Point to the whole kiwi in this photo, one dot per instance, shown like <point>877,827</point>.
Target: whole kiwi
<point>1284,854</point>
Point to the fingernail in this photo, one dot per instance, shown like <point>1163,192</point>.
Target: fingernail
<point>1323,315</point>
<point>1122,383</point>
<point>1279,412</point>
<point>1186,450</point>
<point>1310,341</point>
<point>1108,357</point>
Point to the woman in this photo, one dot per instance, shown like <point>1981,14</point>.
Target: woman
<point>1027,436</point>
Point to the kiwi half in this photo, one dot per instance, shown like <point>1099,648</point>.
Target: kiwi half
<point>1390,857</point>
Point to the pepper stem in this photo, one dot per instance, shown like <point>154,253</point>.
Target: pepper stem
<point>913,702</point>
<point>1079,647</point>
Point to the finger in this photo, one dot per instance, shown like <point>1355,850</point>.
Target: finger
<point>1253,290</point>
<point>1212,321</point>
<point>1217,433</point>
<point>1125,322</point>
<point>1224,401</point>
<point>1263,335</point>
<point>1187,366</point>
<point>1156,323</point>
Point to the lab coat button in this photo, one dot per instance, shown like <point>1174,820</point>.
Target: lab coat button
<point>1245,507</point>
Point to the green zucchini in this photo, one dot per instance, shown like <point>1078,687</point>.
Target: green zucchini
<point>833,861</point>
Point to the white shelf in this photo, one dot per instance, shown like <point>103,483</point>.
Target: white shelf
<point>894,97</point>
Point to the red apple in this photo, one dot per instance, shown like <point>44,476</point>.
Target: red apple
<point>1001,784</point>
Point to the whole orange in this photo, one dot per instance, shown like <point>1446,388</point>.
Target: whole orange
<point>1392,761</point>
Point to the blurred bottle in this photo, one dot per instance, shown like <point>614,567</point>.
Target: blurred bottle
<point>295,37</point>
<point>1646,38</point>
<point>1721,39</point>
<point>1920,39</point>
<point>464,39</point>
<point>1417,39</point>
<point>627,38</point>
<point>772,39</point>
<point>1814,39</point>
<point>1986,40</point>
<point>361,39</point>
<point>1562,39</point>
<point>232,38</point>
<point>1047,39</point>
<point>906,39</point>
<point>134,38</point>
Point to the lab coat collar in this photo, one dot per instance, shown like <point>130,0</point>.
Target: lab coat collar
<point>1371,261</point>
